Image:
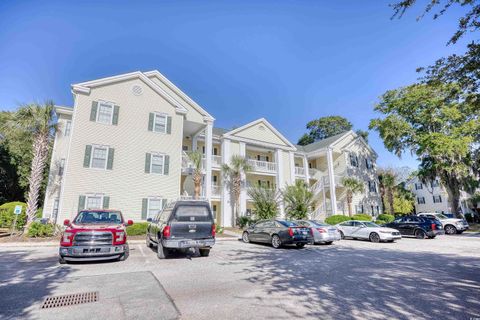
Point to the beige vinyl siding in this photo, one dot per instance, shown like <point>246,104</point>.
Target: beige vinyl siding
<point>127,184</point>
<point>256,133</point>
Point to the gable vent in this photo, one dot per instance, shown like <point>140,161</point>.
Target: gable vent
<point>261,128</point>
<point>137,90</point>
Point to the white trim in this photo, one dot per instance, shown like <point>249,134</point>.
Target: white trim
<point>93,195</point>
<point>105,103</point>
<point>160,114</point>
<point>230,134</point>
<point>179,92</point>
<point>91,156</point>
<point>356,138</point>
<point>84,87</point>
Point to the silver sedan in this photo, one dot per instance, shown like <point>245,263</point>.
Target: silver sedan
<point>322,233</point>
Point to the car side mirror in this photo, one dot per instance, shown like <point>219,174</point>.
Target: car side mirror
<point>129,222</point>
<point>66,222</point>
<point>149,220</point>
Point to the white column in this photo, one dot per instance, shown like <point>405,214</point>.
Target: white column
<point>194,143</point>
<point>226,206</point>
<point>280,178</point>
<point>208,159</point>
<point>243,192</point>
<point>307,172</point>
<point>331,179</point>
<point>291,155</point>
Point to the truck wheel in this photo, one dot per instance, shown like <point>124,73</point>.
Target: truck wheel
<point>61,260</point>
<point>162,252</point>
<point>125,255</point>
<point>204,252</point>
<point>449,229</point>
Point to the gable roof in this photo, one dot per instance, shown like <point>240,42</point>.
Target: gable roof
<point>180,93</point>
<point>321,144</point>
<point>84,87</point>
<point>266,124</point>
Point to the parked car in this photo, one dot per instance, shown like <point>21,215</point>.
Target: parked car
<point>95,235</point>
<point>419,227</point>
<point>180,226</point>
<point>322,233</point>
<point>367,230</point>
<point>278,233</point>
<point>450,225</point>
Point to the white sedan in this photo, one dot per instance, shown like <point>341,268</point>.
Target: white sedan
<point>367,230</point>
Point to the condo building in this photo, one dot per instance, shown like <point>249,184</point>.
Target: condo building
<point>124,145</point>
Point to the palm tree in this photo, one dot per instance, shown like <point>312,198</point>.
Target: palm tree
<point>232,174</point>
<point>265,202</point>
<point>196,160</point>
<point>352,186</point>
<point>387,187</point>
<point>38,121</point>
<point>298,200</point>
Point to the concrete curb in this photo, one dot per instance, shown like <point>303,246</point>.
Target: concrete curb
<point>55,244</point>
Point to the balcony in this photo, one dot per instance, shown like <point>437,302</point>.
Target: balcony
<point>216,190</point>
<point>299,171</point>
<point>262,166</point>
<point>188,166</point>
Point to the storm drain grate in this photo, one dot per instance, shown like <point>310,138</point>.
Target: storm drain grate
<point>70,299</point>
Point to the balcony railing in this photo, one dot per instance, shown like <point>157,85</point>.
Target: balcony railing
<point>299,171</point>
<point>216,161</point>
<point>216,190</point>
<point>263,166</point>
<point>186,163</point>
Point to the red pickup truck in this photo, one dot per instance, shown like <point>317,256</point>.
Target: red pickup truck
<point>95,235</point>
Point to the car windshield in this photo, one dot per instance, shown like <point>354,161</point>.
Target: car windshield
<point>287,223</point>
<point>370,224</point>
<point>319,224</point>
<point>98,216</point>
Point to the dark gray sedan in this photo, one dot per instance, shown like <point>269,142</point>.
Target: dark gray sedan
<point>278,233</point>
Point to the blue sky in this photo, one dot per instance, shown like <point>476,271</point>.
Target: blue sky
<point>287,61</point>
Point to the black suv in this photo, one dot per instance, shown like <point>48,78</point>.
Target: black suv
<point>419,227</point>
<point>182,225</point>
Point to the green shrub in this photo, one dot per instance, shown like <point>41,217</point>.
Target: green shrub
<point>244,221</point>
<point>332,220</point>
<point>137,229</point>
<point>386,217</point>
<point>7,216</point>
<point>40,230</point>
<point>362,217</point>
<point>380,222</point>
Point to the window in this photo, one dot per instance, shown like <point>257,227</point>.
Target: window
<point>61,167</point>
<point>353,160</point>
<point>185,148</point>
<point>94,202</point>
<point>99,157</point>
<point>158,161</point>
<point>359,208</point>
<point>421,200</point>
<point>368,163</point>
<point>154,207</point>
<point>105,113</point>
<point>372,186</point>
<point>437,199</point>
<point>68,128</point>
<point>377,210</point>
<point>434,183</point>
<point>418,186</point>
<point>55,209</point>
<point>160,123</point>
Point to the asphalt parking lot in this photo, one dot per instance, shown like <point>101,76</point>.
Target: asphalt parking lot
<point>410,279</point>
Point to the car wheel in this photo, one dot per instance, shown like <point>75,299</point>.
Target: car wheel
<point>147,241</point>
<point>342,236</point>
<point>61,260</point>
<point>449,229</point>
<point>374,237</point>
<point>162,252</point>
<point>245,237</point>
<point>204,252</point>
<point>431,237</point>
<point>460,232</point>
<point>276,242</point>
<point>328,243</point>
<point>420,234</point>
<point>300,245</point>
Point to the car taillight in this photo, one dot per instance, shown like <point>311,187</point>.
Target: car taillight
<point>166,232</point>
<point>119,237</point>
<point>311,231</point>
<point>213,230</point>
<point>67,239</point>
<point>290,232</point>
<point>321,230</point>
<point>434,226</point>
